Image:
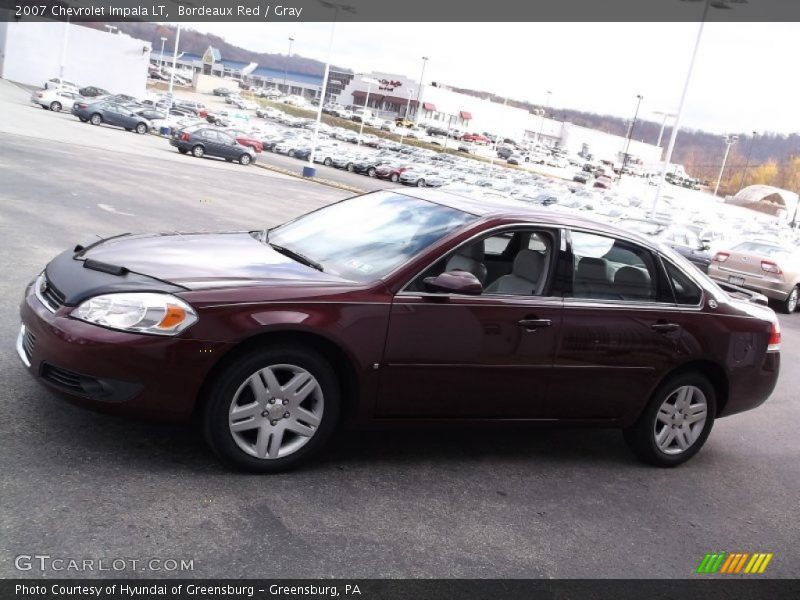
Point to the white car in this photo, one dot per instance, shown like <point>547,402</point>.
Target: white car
<point>56,99</point>
<point>58,82</point>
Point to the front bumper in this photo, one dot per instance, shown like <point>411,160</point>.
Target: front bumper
<point>113,371</point>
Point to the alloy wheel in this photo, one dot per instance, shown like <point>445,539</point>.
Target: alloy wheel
<point>276,411</point>
<point>791,301</point>
<point>680,420</point>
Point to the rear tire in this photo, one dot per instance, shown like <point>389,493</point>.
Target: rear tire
<point>291,153</point>
<point>55,106</point>
<point>96,119</point>
<point>327,162</point>
<point>676,422</point>
<point>198,151</point>
<point>394,177</point>
<point>258,384</point>
<point>789,305</point>
<point>371,171</point>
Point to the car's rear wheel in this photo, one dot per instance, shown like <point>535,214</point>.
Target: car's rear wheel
<point>350,167</point>
<point>55,106</point>
<point>394,177</point>
<point>198,151</point>
<point>96,119</point>
<point>676,422</point>
<point>327,162</point>
<point>272,408</point>
<point>245,160</point>
<point>789,305</point>
<point>371,171</point>
<point>141,129</point>
<point>291,153</point>
<point>420,183</point>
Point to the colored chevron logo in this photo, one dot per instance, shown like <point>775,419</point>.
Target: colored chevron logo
<point>734,563</point>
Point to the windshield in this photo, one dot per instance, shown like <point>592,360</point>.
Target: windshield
<point>367,237</point>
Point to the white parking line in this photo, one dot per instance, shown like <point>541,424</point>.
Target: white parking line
<point>111,209</point>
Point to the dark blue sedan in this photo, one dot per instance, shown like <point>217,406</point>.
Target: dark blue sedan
<point>111,113</point>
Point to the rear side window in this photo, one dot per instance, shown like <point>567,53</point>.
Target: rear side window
<point>687,292</point>
<point>606,268</point>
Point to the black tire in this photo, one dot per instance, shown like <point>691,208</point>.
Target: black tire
<point>371,171</point>
<point>291,153</point>
<point>182,150</point>
<point>198,151</point>
<point>96,119</point>
<point>327,162</point>
<point>350,167</point>
<point>641,437</point>
<point>55,106</point>
<point>141,128</point>
<point>789,305</point>
<point>394,177</point>
<point>222,393</point>
<point>245,159</point>
<point>420,183</point>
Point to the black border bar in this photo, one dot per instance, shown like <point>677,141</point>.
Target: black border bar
<point>444,11</point>
<point>739,588</point>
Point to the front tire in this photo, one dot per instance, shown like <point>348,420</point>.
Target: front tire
<point>676,422</point>
<point>55,106</point>
<point>394,178</point>
<point>272,408</point>
<point>291,153</point>
<point>789,305</point>
<point>141,129</point>
<point>245,160</point>
<point>371,171</point>
<point>327,162</point>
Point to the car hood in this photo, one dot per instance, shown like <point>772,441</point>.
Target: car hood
<point>206,260</point>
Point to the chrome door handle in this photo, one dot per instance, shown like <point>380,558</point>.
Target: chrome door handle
<point>534,324</point>
<point>664,327</point>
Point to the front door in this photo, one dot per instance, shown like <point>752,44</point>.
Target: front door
<point>483,357</point>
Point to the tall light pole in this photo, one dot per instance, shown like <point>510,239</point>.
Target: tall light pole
<point>310,171</point>
<point>666,115</point>
<point>544,112</point>
<point>370,82</point>
<point>730,140</point>
<point>161,55</point>
<point>639,99</point>
<point>419,90</point>
<point>174,65</point>
<point>64,44</point>
<point>408,104</point>
<point>286,64</point>
<point>747,163</point>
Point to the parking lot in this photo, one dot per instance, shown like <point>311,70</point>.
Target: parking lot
<point>430,503</point>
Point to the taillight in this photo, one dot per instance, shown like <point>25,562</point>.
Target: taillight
<point>40,95</point>
<point>185,137</point>
<point>82,105</point>
<point>774,344</point>
<point>770,267</point>
<point>721,256</point>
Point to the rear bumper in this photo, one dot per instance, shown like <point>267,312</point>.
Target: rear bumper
<point>777,290</point>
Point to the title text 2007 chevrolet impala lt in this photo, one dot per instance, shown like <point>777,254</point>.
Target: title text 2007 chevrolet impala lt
<point>399,307</point>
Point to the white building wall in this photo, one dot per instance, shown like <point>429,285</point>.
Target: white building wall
<point>606,146</point>
<point>31,54</point>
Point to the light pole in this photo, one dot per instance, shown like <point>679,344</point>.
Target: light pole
<point>544,112</point>
<point>370,82</point>
<point>310,171</point>
<point>419,90</point>
<point>286,64</point>
<point>707,4</point>
<point>666,115</point>
<point>747,163</point>
<point>408,104</point>
<point>639,99</point>
<point>496,139</point>
<point>64,44</point>
<point>174,65</point>
<point>161,55</point>
<point>730,140</point>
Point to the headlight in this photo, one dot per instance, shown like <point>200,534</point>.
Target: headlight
<point>161,314</point>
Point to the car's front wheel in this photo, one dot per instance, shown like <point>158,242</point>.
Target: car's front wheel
<point>272,408</point>
<point>198,151</point>
<point>245,160</point>
<point>327,162</point>
<point>420,183</point>
<point>676,422</point>
<point>394,177</point>
<point>371,171</point>
<point>55,106</point>
<point>96,119</point>
<point>789,305</point>
<point>141,128</point>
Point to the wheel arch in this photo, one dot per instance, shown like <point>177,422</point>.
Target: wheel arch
<point>342,363</point>
<point>715,374</point>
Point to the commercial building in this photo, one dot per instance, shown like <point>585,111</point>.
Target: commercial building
<point>436,104</point>
<point>31,52</point>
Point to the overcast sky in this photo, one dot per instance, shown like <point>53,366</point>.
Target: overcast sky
<point>744,77</point>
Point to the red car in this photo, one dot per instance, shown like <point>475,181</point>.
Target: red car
<point>246,139</point>
<point>390,172</point>
<point>476,138</point>
<point>399,307</point>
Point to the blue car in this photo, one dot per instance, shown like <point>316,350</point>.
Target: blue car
<point>111,113</point>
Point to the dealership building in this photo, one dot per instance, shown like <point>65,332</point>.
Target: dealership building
<point>396,95</point>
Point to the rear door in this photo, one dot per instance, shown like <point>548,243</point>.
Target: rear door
<point>227,146</point>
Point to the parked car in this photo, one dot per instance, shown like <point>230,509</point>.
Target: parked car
<point>390,171</point>
<point>583,177</point>
<point>271,338</point>
<point>91,91</point>
<point>765,267</point>
<point>246,139</point>
<point>221,91</point>
<point>111,113</point>
<point>58,82</point>
<point>476,138</point>
<point>681,239</point>
<point>403,122</point>
<point>206,141</point>
<point>55,99</point>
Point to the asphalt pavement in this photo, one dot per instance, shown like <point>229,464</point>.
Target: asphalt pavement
<point>475,503</point>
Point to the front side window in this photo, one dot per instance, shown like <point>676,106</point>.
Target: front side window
<point>606,268</point>
<point>367,237</point>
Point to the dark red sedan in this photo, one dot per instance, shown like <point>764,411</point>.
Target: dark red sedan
<point>399,307</point>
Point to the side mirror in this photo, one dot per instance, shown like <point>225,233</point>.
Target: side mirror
<point>454,282</point>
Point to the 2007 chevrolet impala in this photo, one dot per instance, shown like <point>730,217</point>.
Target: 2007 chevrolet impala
<point>399,307</point>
